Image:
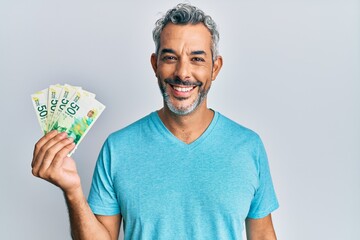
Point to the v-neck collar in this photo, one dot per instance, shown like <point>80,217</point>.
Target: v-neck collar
<point>171,137</point>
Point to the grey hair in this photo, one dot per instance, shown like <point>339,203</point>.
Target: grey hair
<point>184,14</point>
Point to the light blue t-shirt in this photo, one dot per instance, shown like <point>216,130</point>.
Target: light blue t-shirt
<point>167,189</point>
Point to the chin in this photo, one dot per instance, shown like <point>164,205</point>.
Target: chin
<point>184,110</point>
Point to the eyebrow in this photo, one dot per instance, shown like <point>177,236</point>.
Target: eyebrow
<point>198,52</point>
<point>166,50</point>
<point>169,50</point>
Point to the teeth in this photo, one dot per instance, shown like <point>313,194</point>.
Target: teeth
<point>183,89</point>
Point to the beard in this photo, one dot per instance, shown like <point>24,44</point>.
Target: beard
<point>182,110</point>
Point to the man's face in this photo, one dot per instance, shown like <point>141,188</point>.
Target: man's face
<point>90,113</point>
<point>184,66</point>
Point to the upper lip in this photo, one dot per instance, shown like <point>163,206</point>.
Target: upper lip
<point>183,86</point>
<point>181,83</point>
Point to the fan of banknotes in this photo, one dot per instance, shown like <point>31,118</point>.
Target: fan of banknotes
<point>67,108</point>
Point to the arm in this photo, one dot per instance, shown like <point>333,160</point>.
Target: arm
<point>50,162</point>
<point>260,229</point>
<point>85,225</point>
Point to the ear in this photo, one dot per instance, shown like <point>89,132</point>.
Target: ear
<point>216,67</point>
<point>153,61</point>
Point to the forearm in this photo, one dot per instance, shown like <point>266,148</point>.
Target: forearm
<point>265,236</point>
<point>84,224</point>
<point>260,229</point>
<point>50,162</point>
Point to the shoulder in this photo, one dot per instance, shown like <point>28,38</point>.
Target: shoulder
<point>233,128</point>
<point>131,131</point>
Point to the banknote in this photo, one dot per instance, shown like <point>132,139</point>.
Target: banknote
<point>39,100</point>
<point>53,98</point>
<point>66,108</point>
<point>66,94</point>
<point>78,117</point>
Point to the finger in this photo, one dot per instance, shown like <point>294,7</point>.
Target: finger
<point>41,147</point>
<point>43,140</point>
<point>41,143</point>
<point>61,155</point>
<point>50,155</point>
<point>39,157</point>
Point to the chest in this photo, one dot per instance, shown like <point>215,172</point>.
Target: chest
<point>162,185</point>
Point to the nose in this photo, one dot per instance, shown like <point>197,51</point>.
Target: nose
<point>183,70</point>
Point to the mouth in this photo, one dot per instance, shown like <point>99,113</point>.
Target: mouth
<point>180,89</point>
<point>183,89</point>
<point>181,92</point>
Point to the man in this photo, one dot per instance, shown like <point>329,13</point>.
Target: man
<point>182,172</point>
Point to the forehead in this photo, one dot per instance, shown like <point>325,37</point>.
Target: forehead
<point>191,36</point>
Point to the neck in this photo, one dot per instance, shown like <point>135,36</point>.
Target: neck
<point>190,127</point>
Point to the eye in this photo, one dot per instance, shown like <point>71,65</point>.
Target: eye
<point>198,59</point>
<point>169,58</point>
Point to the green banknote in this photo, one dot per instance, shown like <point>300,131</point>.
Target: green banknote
<point>39,100</point>
<point>66,108</point>
<point>53,98</point>
<point>78,117</point>
<point>66,94</point>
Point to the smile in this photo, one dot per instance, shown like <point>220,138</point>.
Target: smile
<point>182,89</point>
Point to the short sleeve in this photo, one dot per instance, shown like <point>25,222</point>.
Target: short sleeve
<point>265,200</point>
<point>102,197</point>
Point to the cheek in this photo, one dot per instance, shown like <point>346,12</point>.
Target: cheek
<point>165,70</point>
<point>205,76</point>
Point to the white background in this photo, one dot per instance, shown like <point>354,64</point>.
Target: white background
<point>291,73</point>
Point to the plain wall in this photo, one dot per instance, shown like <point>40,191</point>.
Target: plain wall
<point>291,73</point>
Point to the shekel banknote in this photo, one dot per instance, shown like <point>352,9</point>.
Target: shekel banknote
<point>67,108</point>
<point>39,100</point>
<point>66,94</point>
<point>53,98</point>
<point>78,116</point>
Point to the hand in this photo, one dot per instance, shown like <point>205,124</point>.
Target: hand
<point>50,161</point>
